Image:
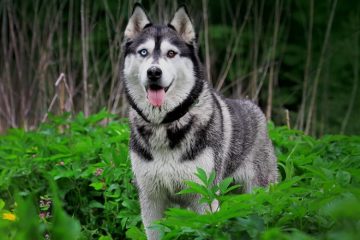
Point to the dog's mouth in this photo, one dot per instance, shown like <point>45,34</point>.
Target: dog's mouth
<point>156,94</point>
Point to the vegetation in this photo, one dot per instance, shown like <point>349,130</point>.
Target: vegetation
<point>71,179</point>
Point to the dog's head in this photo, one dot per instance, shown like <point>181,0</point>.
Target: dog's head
<point>161,67</point>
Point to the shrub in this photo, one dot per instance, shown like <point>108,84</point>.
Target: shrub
<point>71,179</point>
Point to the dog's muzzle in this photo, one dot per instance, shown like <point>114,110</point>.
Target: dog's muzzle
<point>154,75</point>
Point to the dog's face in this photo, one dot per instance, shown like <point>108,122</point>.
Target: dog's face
<point>161,65</point>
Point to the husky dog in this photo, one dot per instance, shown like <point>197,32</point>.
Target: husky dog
<point>179,123</point>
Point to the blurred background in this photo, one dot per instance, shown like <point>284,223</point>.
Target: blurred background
<point>298,59</point>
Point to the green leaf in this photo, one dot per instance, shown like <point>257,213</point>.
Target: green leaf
<point>105,238</point>
<point>237,186</point>
<point>211,178</point>
<point>224,184</point>
<point>95,204</point>
<point>197,187</point>
<point>135,233</point>
<point>97,185</point>
<point>343,177</point>
<point>201,174</point>
<point>2,204</point>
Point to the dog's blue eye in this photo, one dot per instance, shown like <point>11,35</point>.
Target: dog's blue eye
<point>143,52</point>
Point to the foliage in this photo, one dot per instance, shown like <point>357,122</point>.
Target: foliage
<point>88,165</point>
<point>318,197</point>
<point>71,179</point>
<point>209,191</point>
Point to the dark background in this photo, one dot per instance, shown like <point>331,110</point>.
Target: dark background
<point>299,57</point>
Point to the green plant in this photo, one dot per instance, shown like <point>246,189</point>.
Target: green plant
<point>77,172</point>
<point>88,163</point>
<point>318,196</point>
<point>209,191</point>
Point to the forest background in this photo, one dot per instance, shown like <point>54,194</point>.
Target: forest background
<point>299,60</point>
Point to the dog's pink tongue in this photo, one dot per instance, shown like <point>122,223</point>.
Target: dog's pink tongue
<point>156,97</point>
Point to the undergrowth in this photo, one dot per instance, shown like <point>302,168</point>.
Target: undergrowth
<point>71,179</point>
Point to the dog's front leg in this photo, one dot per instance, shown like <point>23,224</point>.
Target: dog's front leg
<point>152,209</point>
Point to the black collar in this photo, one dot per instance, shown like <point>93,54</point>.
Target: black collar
<point>184,107</point>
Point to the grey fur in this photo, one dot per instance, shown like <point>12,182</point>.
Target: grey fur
<point>203,130</point>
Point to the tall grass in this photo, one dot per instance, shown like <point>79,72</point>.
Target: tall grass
<point>253,49</point>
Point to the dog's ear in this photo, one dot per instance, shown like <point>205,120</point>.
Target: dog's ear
<point>137,22</point>
<point>183,25</point>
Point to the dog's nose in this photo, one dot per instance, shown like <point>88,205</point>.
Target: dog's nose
<point>154,74</point>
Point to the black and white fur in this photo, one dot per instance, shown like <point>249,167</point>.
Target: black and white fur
<point>194,127</point>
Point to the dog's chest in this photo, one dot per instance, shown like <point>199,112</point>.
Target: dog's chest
<point>168,168</point>
<point>158,139</point>
<point>167,172</point>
